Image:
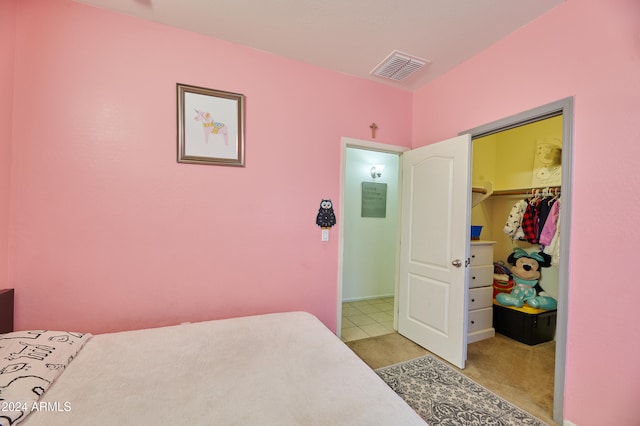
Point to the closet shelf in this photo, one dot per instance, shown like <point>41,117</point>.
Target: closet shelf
<point>481,193</point>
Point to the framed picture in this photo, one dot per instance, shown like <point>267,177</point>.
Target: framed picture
<point>210,126</point>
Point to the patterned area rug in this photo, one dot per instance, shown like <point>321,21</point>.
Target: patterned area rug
<point>443,396</point>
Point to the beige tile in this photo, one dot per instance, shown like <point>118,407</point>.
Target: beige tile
<point>388,325</point>
<point>350,311</point>
<point>375,329</point>
<point>361,320</point>
<point>354,333</point>
<point>382,302</point>
<point>381,316</point>
<point>346,323</point>
<point>386,307</point>
<point>367,309</point>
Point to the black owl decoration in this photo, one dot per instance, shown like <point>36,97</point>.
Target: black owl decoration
<point>326,217</point>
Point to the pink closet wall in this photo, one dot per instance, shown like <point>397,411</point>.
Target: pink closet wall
<point>8,14</point>
<point>110,233</point>
<point>588,49</point>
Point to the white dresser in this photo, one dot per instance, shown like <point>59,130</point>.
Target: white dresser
<point>480,291</point>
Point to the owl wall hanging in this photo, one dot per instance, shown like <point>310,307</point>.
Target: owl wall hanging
<point>326,218</point>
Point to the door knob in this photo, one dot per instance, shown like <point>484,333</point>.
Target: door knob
<point>457,263</point>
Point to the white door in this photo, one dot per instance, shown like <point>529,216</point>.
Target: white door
<point>432,291</point>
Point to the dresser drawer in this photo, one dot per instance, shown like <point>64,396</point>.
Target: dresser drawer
<point>480,276</point>
<point>480,319</point>
<point>481,254</point>
<point>481,297</point>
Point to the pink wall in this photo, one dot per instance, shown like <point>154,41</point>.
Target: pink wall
<point>589,49</point>
<point>8,11</point>
<point>110,233</point>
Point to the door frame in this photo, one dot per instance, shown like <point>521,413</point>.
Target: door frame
<point>562,107</point>
<point>367,146</point>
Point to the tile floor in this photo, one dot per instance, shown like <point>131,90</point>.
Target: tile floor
<point>367,318</point>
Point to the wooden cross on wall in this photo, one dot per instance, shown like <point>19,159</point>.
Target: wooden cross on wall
<point>373,128</point>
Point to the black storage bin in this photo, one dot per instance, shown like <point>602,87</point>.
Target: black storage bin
<point>526,325</point>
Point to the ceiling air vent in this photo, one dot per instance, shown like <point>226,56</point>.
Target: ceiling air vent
<point>398,66</point>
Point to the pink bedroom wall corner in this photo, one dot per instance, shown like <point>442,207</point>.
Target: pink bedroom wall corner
<point>112,233</point>
<point>8,16</point>
<point>587,49</point>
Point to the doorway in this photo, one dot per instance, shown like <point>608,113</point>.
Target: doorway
<point>369,236</point>
<point>564,108</point>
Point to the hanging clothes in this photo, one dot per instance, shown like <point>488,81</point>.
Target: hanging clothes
<point>544,208</point>
<point>530,221</point>
<point>553,248</point>
<point>534,219</point>
<point>513,227</point>
<point>550,225</point>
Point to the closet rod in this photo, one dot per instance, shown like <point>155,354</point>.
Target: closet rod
<point>479,190</point>
<point>525,191</point>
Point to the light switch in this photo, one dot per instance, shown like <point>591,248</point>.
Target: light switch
<point>325,235</point>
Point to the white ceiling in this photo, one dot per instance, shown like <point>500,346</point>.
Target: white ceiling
<point>348,36</point>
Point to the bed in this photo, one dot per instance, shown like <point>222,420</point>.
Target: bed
<point>272,369</point>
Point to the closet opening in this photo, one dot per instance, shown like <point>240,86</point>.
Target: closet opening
<point>523,164</point>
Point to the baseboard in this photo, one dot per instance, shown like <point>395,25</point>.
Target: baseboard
<point>481,335</point>
<point>360,299</point>
<point>568,423</point>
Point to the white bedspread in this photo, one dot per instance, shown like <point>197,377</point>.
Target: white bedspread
<point>275,369</point>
